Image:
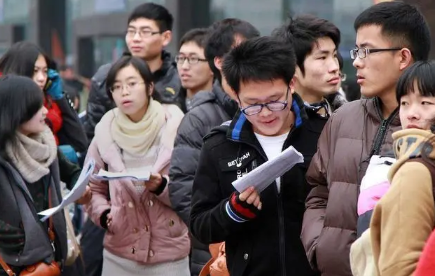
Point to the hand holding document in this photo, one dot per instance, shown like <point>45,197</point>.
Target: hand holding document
<point>261,177</point>
<point>75,194</point>
<point>105,175</point>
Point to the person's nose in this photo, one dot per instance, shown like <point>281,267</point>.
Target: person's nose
<point>185,65</point>
<point>124,90</point>
<point>265,112</point>
<point>358,63</point>
<point>413,113</point>
<point>137,36</point>
<point>333,66</point>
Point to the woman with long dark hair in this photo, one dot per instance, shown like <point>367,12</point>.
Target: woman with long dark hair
<point>30,181</point>
<point>27,59</point>
<point>144,235</point>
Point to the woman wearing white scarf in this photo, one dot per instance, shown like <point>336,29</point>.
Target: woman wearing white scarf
<point>144,235</point>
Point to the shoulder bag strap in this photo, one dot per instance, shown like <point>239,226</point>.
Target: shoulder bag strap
<point>50,220</point>
<point>6,267</point>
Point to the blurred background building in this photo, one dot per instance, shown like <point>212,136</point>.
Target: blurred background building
<point>88,33</point>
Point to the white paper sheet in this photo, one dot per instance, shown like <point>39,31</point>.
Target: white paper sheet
<point>139,176</point>
<point>75,194</point>
<point>261,177</point>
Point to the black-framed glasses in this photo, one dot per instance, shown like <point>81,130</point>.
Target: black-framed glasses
<point>364,52</point>
<point>272,106</point>
<point>130,86</point>
<point>191,60</point>
<point>142,33</point>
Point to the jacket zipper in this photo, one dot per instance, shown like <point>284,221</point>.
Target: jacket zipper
<point>281,226</point>
<point>281,219</point>
<point>380,135</point>
<point>281,234</point>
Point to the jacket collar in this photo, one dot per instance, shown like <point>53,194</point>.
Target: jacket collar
<point>374,110</point>
<point>241,130</point>
<point>330,103</point>
<point>168,62</point>
<point>230,106</point>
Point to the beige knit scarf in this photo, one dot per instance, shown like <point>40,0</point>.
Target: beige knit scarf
<point>33,155</point>
<point>137,138</point>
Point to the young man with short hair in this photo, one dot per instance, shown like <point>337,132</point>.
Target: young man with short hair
<point>317,76</point>
<point>261,231</point>
<point>149,31</point>
<point>193,68</point>
<point>390,37</point>
<point>209,109</point>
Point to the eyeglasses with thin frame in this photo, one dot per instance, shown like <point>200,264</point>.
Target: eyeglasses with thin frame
<point>143,33</point>
<point>343,76</point>
<point>364,52</point>
<point>191,60</point>
<point>130,86</point>
<point>272,106</point>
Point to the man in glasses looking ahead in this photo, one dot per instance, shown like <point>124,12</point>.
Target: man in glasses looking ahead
<point>390,37</point>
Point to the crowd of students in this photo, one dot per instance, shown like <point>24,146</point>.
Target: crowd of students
<point>361,202</point>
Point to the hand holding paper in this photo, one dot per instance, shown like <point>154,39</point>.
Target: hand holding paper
<point>261,177</point>
<point>86,197</point>
<point>75,194</point>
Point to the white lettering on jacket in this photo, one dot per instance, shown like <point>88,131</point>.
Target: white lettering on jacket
<point>238,161</point>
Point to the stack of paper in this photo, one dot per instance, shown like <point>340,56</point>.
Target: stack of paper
<point>261,177</point>
<point>105,175</point>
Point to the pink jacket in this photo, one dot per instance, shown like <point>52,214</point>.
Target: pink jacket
<point>144,228</point>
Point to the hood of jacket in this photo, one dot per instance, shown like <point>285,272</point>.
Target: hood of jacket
<point>218,95</point>
<point>411,143</point>
<point>168,63</point>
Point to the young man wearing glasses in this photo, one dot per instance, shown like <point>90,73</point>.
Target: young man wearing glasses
<point>261,230</point>
<point>209,110</point>
<point>149,31</point>
<point>193,68</point>
<point>390,37</point>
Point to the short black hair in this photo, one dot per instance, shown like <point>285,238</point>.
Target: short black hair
<point>303,32</point>
<point>198,36</point>
<point>139,64</point>
<point>20,99</point>
<point>402,23</point>
<point>155,12</point>
<point>259,59</point>
<point>221,39</point>
<point>421,73</point>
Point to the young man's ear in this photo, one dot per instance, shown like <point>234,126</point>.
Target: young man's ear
<point>291,86</point>
<point>218,63</point>
<point>298,74</point>
<point>406,59</point>
<point>167,37</point>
